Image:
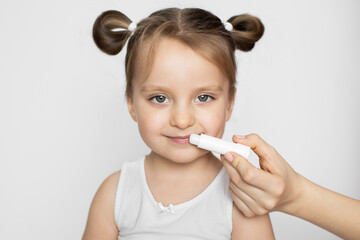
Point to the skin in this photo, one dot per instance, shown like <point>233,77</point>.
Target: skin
<point>172,103</point>
<point>277,187</point>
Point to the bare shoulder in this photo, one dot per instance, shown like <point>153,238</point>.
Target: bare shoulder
<point>101,223</point>
<point>258,227</point>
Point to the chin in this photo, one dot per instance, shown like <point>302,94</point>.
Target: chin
<point>187,156</point>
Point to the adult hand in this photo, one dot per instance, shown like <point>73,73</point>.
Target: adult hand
<point>275,186</point>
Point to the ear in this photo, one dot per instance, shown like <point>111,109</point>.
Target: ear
<point>230,106</point>
<point>131,108</point>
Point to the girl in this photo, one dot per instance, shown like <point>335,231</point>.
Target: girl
<point>180,72</point>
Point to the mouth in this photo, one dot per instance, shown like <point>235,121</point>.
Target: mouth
<point>180,139</point>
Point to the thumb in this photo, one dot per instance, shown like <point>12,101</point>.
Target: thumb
<point>255,142</point>
<point>270,160</point>
<point>236,164</point>
<point>239,169</point>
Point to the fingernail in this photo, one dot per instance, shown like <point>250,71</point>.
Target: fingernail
<point>240,136</point>
<point>229,157</point>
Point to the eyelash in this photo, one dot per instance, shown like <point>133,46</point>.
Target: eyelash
<point>153,99</point>
<point>206,95</point>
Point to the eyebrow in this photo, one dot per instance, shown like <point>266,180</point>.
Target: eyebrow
<point>153,88</point>
<point>210,88</point>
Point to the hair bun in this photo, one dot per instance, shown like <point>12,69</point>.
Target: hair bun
<point>247,30</point>
<point>108,40</point>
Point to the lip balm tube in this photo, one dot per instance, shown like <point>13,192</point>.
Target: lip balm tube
<point>218,145</point>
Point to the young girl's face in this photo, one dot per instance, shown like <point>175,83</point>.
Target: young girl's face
<point>184,94</point>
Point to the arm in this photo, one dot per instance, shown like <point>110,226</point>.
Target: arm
<point>101,223</point>
<point>277,187</point>
<point>327,209</point>
<point>258,227</point>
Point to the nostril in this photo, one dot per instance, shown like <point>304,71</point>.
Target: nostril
<point>182,120</point>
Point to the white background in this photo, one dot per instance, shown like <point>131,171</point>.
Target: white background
<point>64,125</point>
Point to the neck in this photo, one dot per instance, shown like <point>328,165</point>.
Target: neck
<point>165,168</point>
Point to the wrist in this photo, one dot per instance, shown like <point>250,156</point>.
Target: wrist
<point>297,195</point>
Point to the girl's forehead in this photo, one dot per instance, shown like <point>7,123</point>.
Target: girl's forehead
<point>174,62</point>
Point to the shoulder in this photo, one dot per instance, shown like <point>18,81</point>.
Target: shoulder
<point>258,227</point>
<point>101,223</point>
<point>109,185</point>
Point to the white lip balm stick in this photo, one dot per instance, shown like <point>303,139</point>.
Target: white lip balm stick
<point>218,145</point>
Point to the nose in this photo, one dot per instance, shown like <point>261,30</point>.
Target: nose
<point>182,116</point>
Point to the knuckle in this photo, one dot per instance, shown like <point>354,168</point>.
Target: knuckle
<point>248,175</point>
<point>235,163</point>
<point>255,136</point>
<point>232,186</point>
<point>279,188</point>
<point>233,174</point>
<point>269,204</point>
<point>235,180</point>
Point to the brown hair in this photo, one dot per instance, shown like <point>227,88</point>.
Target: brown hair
<point>199,29</point>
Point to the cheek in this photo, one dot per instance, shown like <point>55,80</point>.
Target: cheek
<point>150,122</point>
<point>213,119</point>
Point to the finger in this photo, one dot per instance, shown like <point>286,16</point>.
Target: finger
<point>254,192</point>
<point>270,160</point>
<point>237,182</point>
<point>241,169</point>
<point>259,197</point>
<point>256,143</point>
<point>262,202</point>
<point>232,172</point>
<point>241,205</point>
<point>250,203</point>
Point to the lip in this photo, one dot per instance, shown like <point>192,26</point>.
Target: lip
<point>180,139</point>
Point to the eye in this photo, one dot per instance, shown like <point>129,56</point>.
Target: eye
<point>204,98</point>
<point>159,99</point>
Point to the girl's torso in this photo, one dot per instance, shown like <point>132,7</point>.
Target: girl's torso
<point>139,216</point>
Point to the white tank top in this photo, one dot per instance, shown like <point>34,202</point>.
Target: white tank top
<point>139,216</point>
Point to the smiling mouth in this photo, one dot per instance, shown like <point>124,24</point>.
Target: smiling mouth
<point>180,139</point>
